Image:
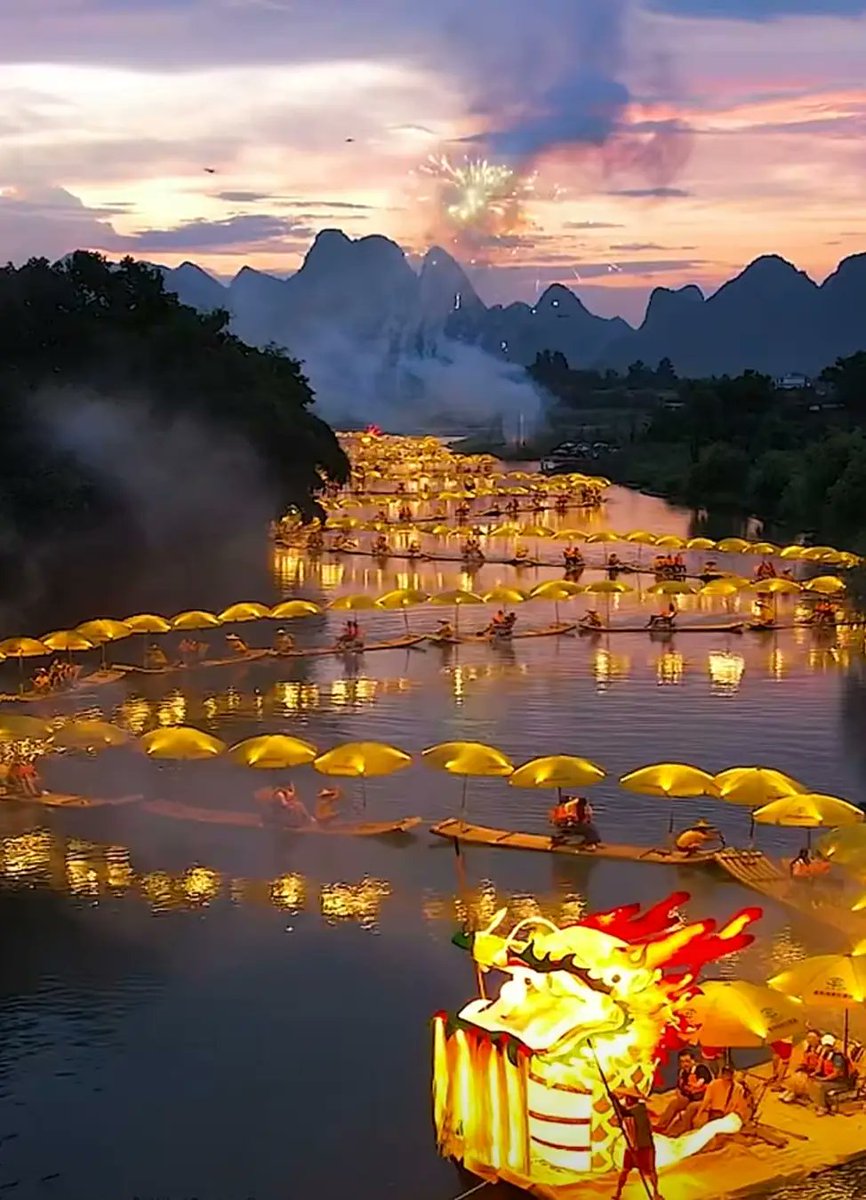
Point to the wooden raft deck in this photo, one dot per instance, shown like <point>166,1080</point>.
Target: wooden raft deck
<point>823,900</point>
<point>482,835</point>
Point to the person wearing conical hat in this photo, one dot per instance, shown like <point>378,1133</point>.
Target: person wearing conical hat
<point>701,836</point>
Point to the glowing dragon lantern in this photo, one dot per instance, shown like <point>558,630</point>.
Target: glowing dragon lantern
<point>522,1083</point>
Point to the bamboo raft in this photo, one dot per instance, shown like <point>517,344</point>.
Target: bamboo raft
<point>85,684</point>
<point>733,627</point>
<point>810,898</point>
<point>481,835</point>
<point>253,820</point>
<point>400,643</point>
<point>469,639</point>
<point>64,800</point>
<point>235,660</point>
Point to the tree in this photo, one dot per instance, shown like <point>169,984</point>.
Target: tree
<point>666,375</point>
<point>848,378</point>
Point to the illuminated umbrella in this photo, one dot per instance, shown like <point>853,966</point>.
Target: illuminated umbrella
<point>764,548</point>
<point>467,758</point>
<point>721,587</point>
<point>777,587</point>
<point>244,612</point>
<point>792,552</point>
<point>353,602</point>
<point>845,845</point>
<point>21,648</point>
<point>606,588</point>
<point>809,810</point>
<point>820,553</point>
<point>826,981</point>
<point>700,543</point>
<point>671,541</point>
<point>825,585</point>
<point>556,771</point>
<point>147,623</point>
<point>641,537</point>
<point>272,752</point>
<point>570,535</point>
<point>502,594</point>
<point>555,590</point>
<point>90,735</point>
<point>290,609</point>
<point>733,1013</point>
<point>755,786</point>
<point>67,639</point>
<point>362,760</point>
<point>674,781</point>
<point>603,535</point>
<point>195,619</point>
<point>105,629</point>
<point>732,545</point>
<point>180,742</point>
<point>15,729</point>
<point>673,587</point>
<point>402,598</point>
<point>456,598</point>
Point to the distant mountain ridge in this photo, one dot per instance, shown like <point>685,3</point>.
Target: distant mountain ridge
<point>771,317</point>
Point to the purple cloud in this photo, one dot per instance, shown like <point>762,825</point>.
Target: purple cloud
<point>236,233</point>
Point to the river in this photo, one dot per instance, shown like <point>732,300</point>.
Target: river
<point>191,1011</point>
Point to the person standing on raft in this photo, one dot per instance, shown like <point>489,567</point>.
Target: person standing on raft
<point>640,1150</point>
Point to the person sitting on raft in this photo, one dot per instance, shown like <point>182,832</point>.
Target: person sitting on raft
<point>404,513</point>
<point>414,549</point>
<point>287,809</point>
<point>327,805</point>
<point>351,638</point>
<point>765,570</point>
<point>155,658</point>
<point>823,613</point>
<point>574,560</point>
<point>804,866</point>
<point>710,571</point>
<point>590,620</point>
<point>237,645</point>
<point>42,680</point>
<point>471,549</point>
<point>445,631</point>
<point>506,628</point>
<point>679,567</point>
<point>521,554</point>
<point>343,542</point>
<point>23,779</point>
<point>512,508</point>
<point>614,565</point>
<point>191,649</point>
<point>315,540</point>
<point>461,512</point>
<point>699,838</point>
<point>284,643</point>
<point>496,624</point>
<point>663,619</point>
<point>380,547</point>
<point>572,818</point>
<point>764,617</point>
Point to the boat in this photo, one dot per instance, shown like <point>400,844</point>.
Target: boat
<point>482,835</point>
<point>253,820</point>
<point>85,683</point>
<point>467,639</point>
<point>732,627</point>
<point>564,459</point>
<point>235,660</point>
<point>66,800</point>
<point>402,643</point>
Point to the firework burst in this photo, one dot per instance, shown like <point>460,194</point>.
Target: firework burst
<point>479,202</point>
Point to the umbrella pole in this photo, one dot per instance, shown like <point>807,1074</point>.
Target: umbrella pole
<point>463,796</point>
<point>406,619</point>
<point>364,792</point>
<point>846,1034</point>
<point>20,672</point>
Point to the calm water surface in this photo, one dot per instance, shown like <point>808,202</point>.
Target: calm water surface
<point>194,1012</point>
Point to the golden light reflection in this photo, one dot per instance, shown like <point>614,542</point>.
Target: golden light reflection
<point>171,710</point>
<point>26,857</point>
<point>134,714</point>
<point>608,667</point>
<point>201,885</point>
<point>292,696</point>
<point>289,892</point>
<point>354,901</point>
<point>778,664</point>
<point>288,567</point>
<point>726,670</point>
<point>669,668</point>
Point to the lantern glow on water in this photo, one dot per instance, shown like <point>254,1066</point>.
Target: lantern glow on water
<point>522,1080</point>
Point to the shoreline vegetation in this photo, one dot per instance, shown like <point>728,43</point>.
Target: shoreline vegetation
<point>791,453</point>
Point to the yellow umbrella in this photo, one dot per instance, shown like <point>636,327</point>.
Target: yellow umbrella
<point>67,639</point>
<point>23,647</point>
<point>700,543</point>
<point>845,845</point>
<point>674,781</point>
<point>273,751</point>
<point>195,619</point>
<point>467,758</point>
<point>606,588</point>
<point>825,585</point>
<point>819,553</point>
<point>502,594</point>
<point>555,590</point>
<point>362,760</point>
<point>604,535</point>
<point>90,735</point>
<point>14,728</point>
<point>641,537</point>
<point>754,786</point>
<point>673,587</point>
<point>721,587</point>
<point>792,552</point>
<point>670,541</point>
<point>180,742</point>
<point>826,981</point>
<point>556,771</point>
<point>290,609</point>
<point>244,612</point>
<point>353,602</point>
<point>456,598</point>
<point>732,545</point>
<point>570,535</point>
<point>762,548</point>
<point>733,1013</point>
<point>402,598</point>
<point>104,630</point>
<point>809,810</point>
<point>147,623</point>
<point>776,587</point>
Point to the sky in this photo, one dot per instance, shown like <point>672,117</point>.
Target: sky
<point>654,142</point>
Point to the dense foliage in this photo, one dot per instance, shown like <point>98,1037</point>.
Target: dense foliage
<point>796,457</point>
<point>85,329</point>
